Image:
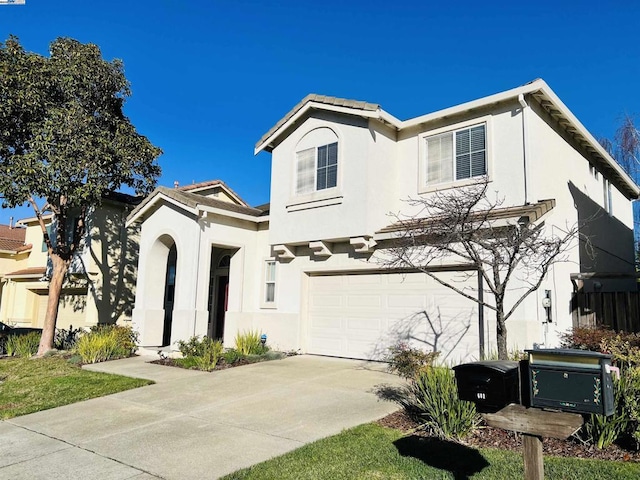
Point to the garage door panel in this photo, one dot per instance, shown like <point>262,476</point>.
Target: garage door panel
<point>365,325</point>
<point>406,301</point>
<point>366,301</point>
<point>326,322</point>
<point>360,316</point>
<point>320,300</point>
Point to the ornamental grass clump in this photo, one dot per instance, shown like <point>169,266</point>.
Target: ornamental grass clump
<point>432,398</point>
<point>106,342</point>
<point>249,343</point>
<point>24,346</point>
<point>201,354</point>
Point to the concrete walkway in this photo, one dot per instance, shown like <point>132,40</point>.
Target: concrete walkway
<point>193,425</point>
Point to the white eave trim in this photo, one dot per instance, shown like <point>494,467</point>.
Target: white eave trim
<point>160,196</point>
<point>378,114</point>
<point>228,213</point>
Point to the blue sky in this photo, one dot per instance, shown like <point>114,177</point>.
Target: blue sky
<point>209,78</point>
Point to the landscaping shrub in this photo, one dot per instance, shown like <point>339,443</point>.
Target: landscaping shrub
<point>24,346</point>
<point>191,348</point>
<point>631,402</point>
<point>624,348</point>
<point>211,354</point>
<point>66,339</point>
<point>106,342</point>
<point>603,431</point>
<point>586,338</point>
<point>202,354</point>
<point>232,356</point>
<point>432,398</point>
<point>409,362</point>
<point>248,343</point>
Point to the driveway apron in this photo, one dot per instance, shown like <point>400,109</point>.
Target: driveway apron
<point>194,425</point>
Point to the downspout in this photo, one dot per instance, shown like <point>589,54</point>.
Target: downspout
<point>481,315</point>
<point>525,144</point>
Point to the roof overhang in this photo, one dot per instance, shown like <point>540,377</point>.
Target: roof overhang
<point>329,104</point>
<point>498,217</point>
<point>158,197</point>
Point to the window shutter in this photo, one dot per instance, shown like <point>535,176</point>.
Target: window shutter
<point>305,175</point>
<point>470,152</point>
<point>478,151</point>
<point>439,158</point>
<point>332,165</point>
<point>327,176</point>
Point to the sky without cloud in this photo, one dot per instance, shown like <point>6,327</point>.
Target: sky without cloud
<point>209,78</point>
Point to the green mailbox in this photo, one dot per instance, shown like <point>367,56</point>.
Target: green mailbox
<point>577,381</point>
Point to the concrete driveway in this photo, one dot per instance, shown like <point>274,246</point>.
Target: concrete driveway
<point>194,425</point>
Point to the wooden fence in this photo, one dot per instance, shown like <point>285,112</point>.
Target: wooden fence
<point>615,310</point>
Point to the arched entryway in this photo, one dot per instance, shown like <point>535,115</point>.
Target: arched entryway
<point>169,294</point>
<point>160,286</point>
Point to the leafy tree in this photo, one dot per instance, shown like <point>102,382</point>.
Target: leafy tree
<point>65,142</point>
<point>465,226</point>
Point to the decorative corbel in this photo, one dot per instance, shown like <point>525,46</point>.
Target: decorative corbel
<point>321,249</point>
<point>363,244</point>
<point>283,252</point>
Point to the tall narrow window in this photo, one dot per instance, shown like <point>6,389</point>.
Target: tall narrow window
<point>270,281</point>
<point>607,196</point>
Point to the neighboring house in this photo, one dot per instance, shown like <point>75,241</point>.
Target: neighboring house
<point>101,280</point>
<point>304,269</point>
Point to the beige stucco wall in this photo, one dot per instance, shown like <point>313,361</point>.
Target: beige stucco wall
<point>110,261</point>
<point>377,173</point>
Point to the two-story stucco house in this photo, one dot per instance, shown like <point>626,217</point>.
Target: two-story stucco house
<point>101,280</point>
<point>303,269</point>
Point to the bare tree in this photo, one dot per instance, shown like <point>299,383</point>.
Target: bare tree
<point>511,251</point>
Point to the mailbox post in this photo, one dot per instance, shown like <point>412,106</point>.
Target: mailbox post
<point>542,397</point>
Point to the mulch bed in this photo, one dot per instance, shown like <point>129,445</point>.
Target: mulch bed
<point>488,437</point>
<point>221,365</point>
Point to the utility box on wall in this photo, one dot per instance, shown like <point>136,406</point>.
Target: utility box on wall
<point>577,381</point>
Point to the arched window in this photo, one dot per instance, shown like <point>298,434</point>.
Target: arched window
<point>317,161</point>
<point>225,261</point>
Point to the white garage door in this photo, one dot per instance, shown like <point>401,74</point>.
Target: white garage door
<point>361,315</point>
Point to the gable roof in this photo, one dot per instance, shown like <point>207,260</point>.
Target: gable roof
<point>198,187</point>
<point>194,203</point>
<point>537,89</point>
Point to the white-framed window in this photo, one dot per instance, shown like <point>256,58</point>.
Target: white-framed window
<point>317,168</point>
<point>269,288</point>
<point>455,155</point>
<point>607,196</point>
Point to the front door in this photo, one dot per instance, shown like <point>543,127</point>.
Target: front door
<point>222,296</point>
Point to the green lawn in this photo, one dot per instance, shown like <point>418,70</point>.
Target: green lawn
<point>31,385</point>
<point>374,452</point>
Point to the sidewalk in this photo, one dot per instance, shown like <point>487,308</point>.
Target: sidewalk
<point>193,425</point>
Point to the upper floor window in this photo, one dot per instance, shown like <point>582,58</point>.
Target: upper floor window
<point>316,161</point>
<point>456,155</point>
<point>317,168</point>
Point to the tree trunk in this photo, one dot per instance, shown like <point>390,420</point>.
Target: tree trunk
<point>60,267</point>
<point>501,335</point>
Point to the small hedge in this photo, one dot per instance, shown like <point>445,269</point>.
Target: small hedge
<point>106,342</point>
<point>624,424</point>
<point>24,346</point>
